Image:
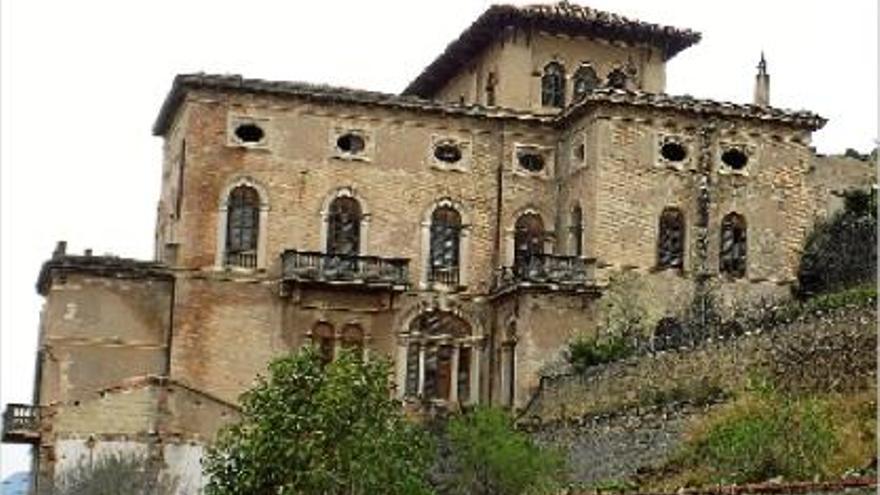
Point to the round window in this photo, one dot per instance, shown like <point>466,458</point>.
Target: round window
<point>448,153</point>
<point>735,159</point>
<point>533,162</point>
<point>249,133</point>
<point>674,152</point>
<point>351,143</point>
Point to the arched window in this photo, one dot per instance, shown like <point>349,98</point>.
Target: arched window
<point>585,80</point>
<point>733,245</point>
<point>353,339</point>
<point>670,241</point>
<point>323,338</point>
<point>344,226</point>
<point>553,85</point>
<point>242,227</point>
<point>577,230</point>
<point>440,341</point>
<point>528,239</point>
<point>445,240</point>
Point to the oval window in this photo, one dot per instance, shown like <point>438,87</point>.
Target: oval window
<point>674,152</point>
<point>351,143</point>
<point>533,162</point>
<point>735,159</point>
<point>249,133</point>
<point>448,153</point>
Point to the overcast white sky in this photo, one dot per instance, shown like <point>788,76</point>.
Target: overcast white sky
<point>83,81</point>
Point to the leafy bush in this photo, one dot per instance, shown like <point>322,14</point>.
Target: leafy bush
<point>112,475</point>
<point>842,250</point>
<point>587,351</point>
<point>492,457</point>
<point>315,429</point>
<point>764,436</point>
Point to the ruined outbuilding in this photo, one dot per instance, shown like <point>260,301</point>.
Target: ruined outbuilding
<point>464,229</point>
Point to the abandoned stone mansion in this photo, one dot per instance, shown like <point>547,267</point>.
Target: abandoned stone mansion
<point>465,229</point>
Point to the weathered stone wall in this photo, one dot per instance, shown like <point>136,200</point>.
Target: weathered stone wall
<point>832,175</point>
<point>629,414</point>
<point>517,60</point>
<point>98,331</point>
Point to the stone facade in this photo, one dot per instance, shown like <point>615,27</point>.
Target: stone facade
<point>255,257</point>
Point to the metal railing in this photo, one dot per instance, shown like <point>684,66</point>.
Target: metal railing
<point>448,275</point>
<point>551,269</point>
<point>21,423</point>
<point>242,259</point>
<point>323,267</point>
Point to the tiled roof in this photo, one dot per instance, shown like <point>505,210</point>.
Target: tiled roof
<point>323,93</point>
<point>689,104</point>
<point>563,17</point>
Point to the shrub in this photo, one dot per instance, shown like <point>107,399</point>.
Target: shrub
<point>112,475</point>
<point>320,429</point>
<point>585,352</point>
<point>842,250</point>
<point>492,457</point>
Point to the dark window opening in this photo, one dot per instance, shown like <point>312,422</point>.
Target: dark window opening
<point>735,159</point>
<point>344,227</point>
<point>533,162</point>
<point>322,337</point>
<point>412,370</point>
<point>585,80</point>
<point>249,133</point>
<point>445,239</point>
<point>438,372</point>
<point>734,245</point>
<point>668,334</point>
<point>670,241</point>
<point>464,374</point>
<point>448,153</point>
<point>490,89</point>
<point>528,239</point>
<point>242,227</point>
<point>674,152</point>
<point>617,79</point>
<point>553,85</point>
<point>580,152</point>
<point>351,143</point>
<point>577,230</point>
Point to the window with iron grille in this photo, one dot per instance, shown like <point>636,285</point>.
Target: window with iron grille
<point>733,245</point>
<point>344,226</point>
<point>553,85</point>
<point>445,240</point>
<point>528,238</point>
<point>242,227</point>
<point>585,80</point>
<point>670,241</point>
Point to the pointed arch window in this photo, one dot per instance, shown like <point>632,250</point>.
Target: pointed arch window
<point>577,230</point>
<point>553,85</point>
<point>528,239</point>
<point>585,80</point>
<point>734,244</point>
<point>242,227</point>
<point>344,226</point>
<point>323,340</point>
<point>445,242</point>
<point>670,241</point>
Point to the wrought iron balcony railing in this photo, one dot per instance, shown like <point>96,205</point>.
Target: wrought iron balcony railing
<point>242,259</point>
<point>311,266</point>
<point>21,423</point>
<point>447,275</point>
<point>550,269</point>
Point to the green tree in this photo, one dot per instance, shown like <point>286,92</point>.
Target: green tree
<point>313,429</point>
<point>493,458</point>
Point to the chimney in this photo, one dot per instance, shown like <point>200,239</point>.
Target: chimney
<point>60,250</point>
<point>762,84</point>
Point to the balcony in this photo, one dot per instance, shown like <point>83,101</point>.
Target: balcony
<point>21,424</point>
<point>310,267</point>
<point>551,272</point>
